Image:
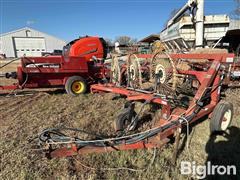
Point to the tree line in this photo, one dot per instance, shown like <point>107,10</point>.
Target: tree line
<point>122,40</point>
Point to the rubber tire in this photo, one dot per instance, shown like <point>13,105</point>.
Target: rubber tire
<point>70,81</point>
<point>217,116</point>
<point>121,120</point>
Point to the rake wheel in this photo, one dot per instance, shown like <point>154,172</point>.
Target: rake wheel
<point>134,75</point>
<point>163,73</point>
<point>115,71</point>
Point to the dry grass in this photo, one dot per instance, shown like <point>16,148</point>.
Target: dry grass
<point>22,118</point>
<point>9,68</point>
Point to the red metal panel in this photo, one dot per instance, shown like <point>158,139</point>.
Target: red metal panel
<point>64,152</point>
<point>87,47</point>
<point>79,64</point>
<point>146,97</point>
<point>48,59</point>
<point>74,64</point>
<point>110,88</point>
<point>218,57</point>
<point>215,95</point>
<point>208,79</point>
<point>11,87</point>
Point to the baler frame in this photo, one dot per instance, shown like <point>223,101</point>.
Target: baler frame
<point>44,77</point>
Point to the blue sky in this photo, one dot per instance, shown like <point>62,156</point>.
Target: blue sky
<point>69,19</point>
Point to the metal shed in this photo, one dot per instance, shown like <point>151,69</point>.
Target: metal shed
<point>28,41</point>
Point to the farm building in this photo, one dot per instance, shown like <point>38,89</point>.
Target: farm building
<point>28,41</point>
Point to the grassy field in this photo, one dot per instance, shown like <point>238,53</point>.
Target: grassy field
<point>22,118</point>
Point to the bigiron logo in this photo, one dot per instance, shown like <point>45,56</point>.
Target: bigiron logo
<point>201,171</point>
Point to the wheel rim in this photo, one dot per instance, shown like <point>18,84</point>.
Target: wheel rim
<point>115,71</point>
<point>134,75</point>
<point>226,119</point>
<point>163,64</point>
<point>160,70</point>
<point>77,87</point>
<point>127,123</point>
<point>132,72</point>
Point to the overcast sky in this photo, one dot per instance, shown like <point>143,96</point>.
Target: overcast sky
<point>69,19</point>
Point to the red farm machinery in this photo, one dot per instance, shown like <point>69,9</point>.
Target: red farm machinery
<point>81,64</point>
<point>180,88</point>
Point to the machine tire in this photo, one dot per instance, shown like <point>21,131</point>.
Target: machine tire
<point>221,117</point>
<point>76,85</point>
<point>123,121</point>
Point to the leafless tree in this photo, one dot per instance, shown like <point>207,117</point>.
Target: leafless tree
<point>125,40</point>
<point>133,41</point>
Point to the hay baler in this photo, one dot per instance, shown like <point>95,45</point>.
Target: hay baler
<point>82,63</point>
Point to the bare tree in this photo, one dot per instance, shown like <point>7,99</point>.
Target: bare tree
<point>125,40</point>
<point>133,41</point>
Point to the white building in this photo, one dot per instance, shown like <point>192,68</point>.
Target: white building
<point>28,41</point>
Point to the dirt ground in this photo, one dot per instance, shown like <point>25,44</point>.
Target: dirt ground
<point>23,117</point>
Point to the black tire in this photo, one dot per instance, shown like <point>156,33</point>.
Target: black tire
<point>221,117</point>
<point>122,122</point>
<point>75,80</point>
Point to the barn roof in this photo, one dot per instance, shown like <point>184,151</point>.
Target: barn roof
<point>151,38</point>
<point>30,29</point>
